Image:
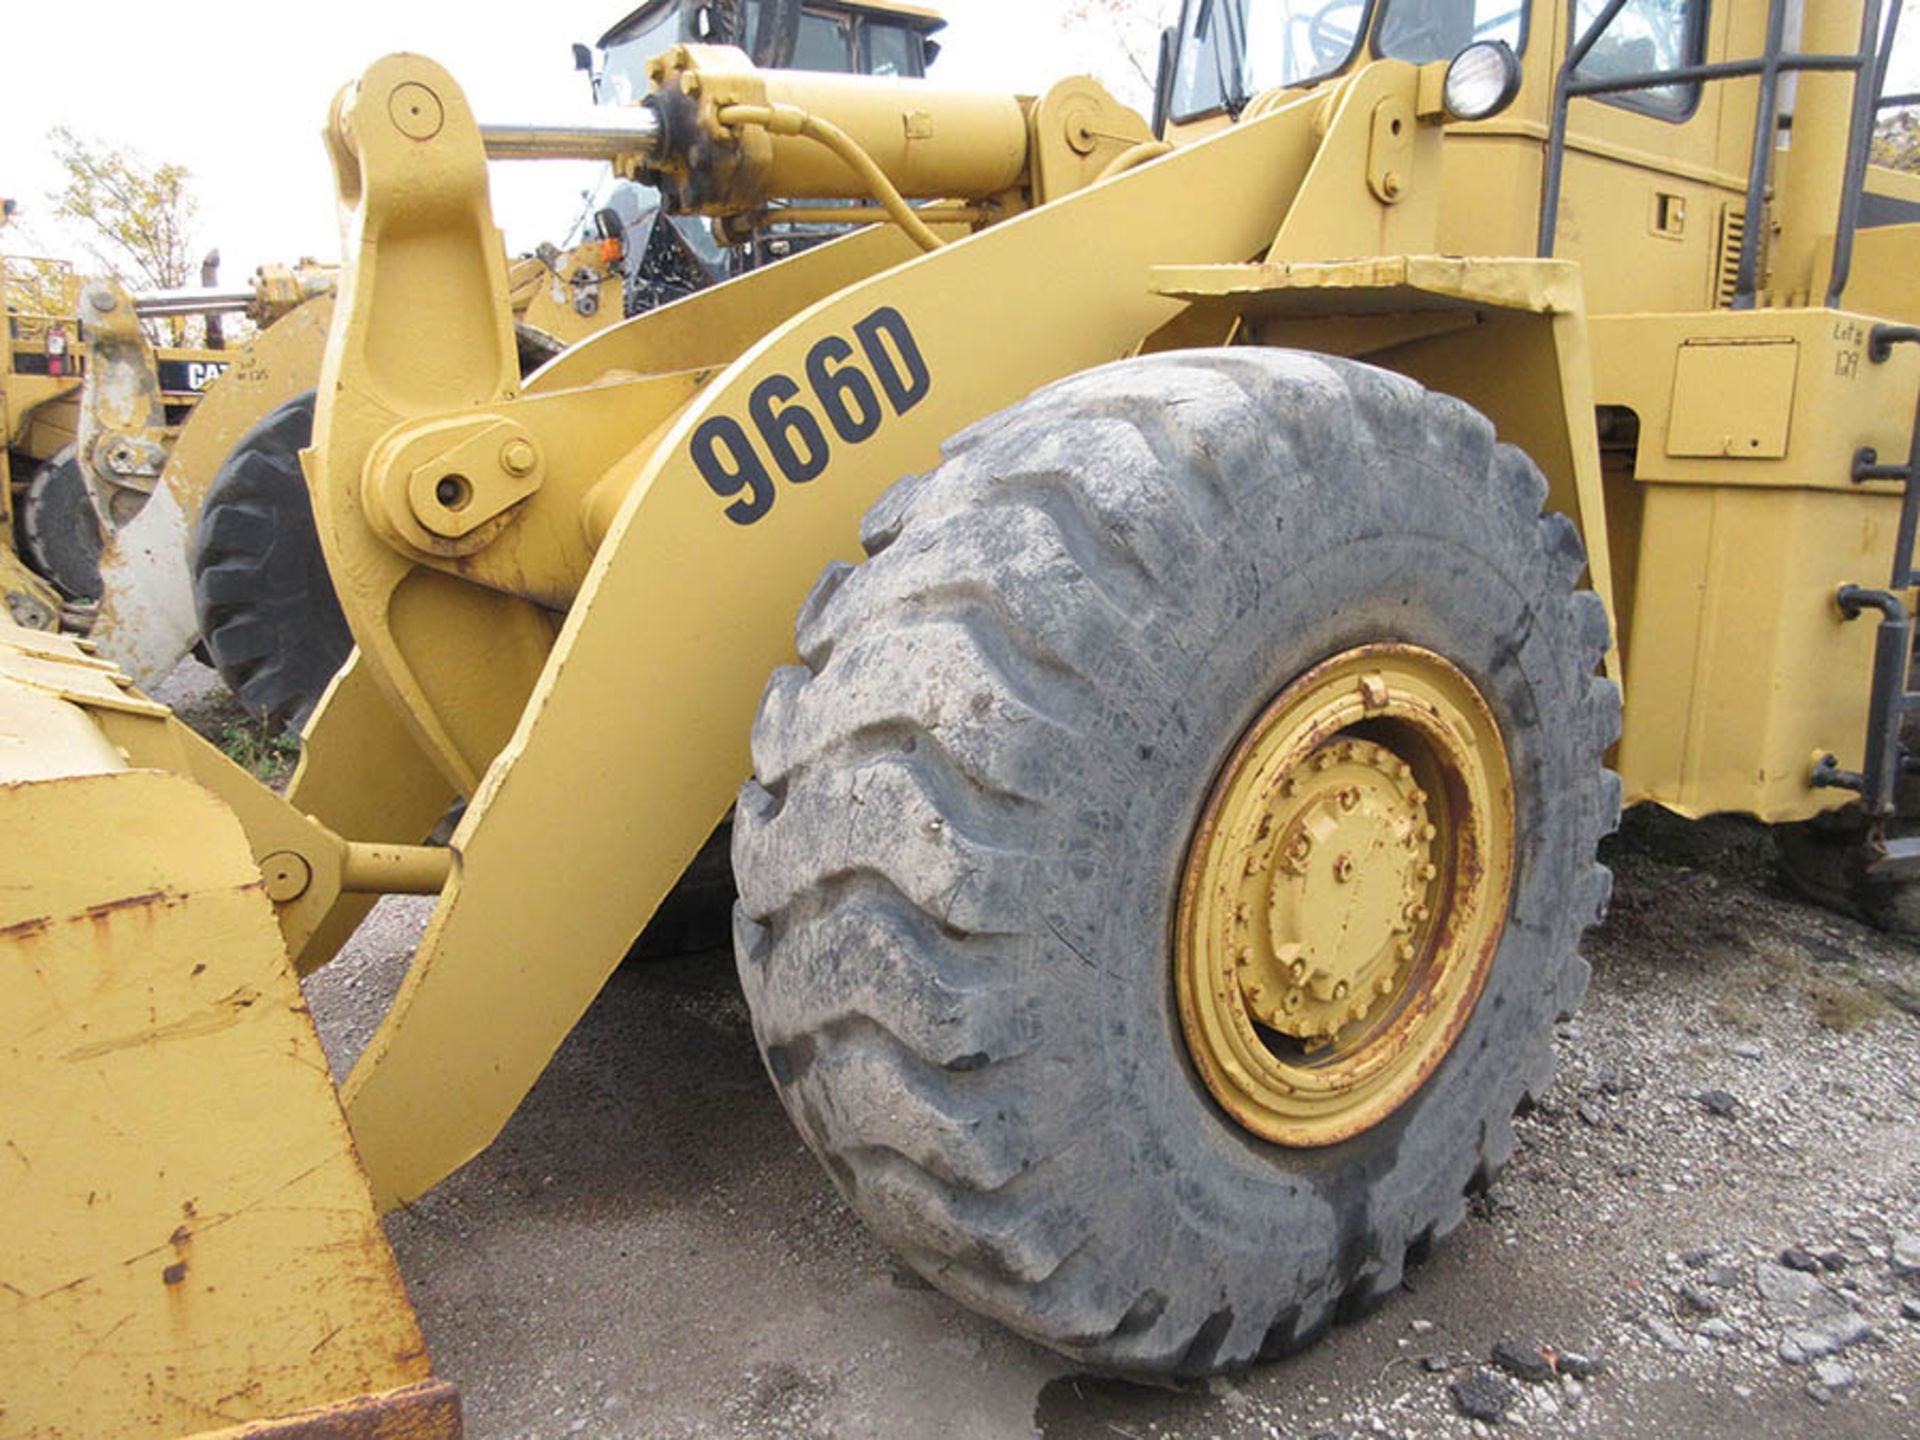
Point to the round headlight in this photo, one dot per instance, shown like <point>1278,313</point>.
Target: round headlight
<point>1482,80</point>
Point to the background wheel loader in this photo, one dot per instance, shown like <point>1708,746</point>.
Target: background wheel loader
<point>1236,577</point>
<point>77,459</point>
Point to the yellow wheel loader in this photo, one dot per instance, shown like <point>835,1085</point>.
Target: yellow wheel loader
<point>94,412</point>
<point>79,457</point>
<point>1171,617</point>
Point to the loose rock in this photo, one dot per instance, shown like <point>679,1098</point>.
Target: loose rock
<point>1905,1258</point>
<point>1483,1396</point>
<point>1790,1293</point>
<point>1522,1361</point>
<point>1698,1300</point>
<point>1720,1103</point>
<point>1837,1376</point>
<point>1810,1342</point>
<point>1794,1258</point>
<point>1580,1367</point>
<point>1669,1339</point>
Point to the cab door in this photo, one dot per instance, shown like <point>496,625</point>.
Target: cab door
<point>1653,194</point>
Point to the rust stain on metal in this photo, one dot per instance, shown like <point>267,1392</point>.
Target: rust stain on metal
<point>174,1274</point>
<point>107,909</point>
<point>28,929</point>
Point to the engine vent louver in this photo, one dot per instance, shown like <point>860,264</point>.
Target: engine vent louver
<point>1733,244</point>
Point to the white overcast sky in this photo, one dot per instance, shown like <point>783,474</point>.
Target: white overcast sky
<point>237,90</point>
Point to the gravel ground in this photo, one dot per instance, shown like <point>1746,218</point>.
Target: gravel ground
<point>1712,1226</point>
<point>649,1251</point>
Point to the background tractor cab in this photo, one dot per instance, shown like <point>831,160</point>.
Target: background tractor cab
<point>673,256</point>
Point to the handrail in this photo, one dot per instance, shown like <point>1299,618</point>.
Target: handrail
<point>1860,141</point>
<point>1769,66</point>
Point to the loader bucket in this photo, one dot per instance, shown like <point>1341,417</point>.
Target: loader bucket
<point>191,1244</point>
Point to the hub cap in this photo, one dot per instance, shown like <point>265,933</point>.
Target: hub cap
<point>1344,894</point>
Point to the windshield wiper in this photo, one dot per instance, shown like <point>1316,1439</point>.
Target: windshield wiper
<point>1228,51</point>
<point>1233,31</point>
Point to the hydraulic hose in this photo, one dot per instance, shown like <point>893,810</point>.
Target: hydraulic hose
<point>789,120</point>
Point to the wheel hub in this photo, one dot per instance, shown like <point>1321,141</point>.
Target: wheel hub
<point>1344,888</point>
<point>1344,894</point>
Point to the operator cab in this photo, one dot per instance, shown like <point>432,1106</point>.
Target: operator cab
<point>851,37</point>
<point>1618,140</point>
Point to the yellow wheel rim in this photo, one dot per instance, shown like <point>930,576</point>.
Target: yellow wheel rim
<point>1344,894</point>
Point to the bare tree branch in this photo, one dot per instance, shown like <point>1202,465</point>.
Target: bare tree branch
<point>138,216</point>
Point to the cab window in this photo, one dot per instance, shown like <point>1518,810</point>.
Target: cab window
<point>888,49</point>
<point>1232,50</point>
<point>1427,30</point>
<point>824,44</point>
<point>1647,35</point>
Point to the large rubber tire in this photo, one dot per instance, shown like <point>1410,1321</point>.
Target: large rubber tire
<point>265,602</point>
<point>58,531</point>
<point>960,859</point>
